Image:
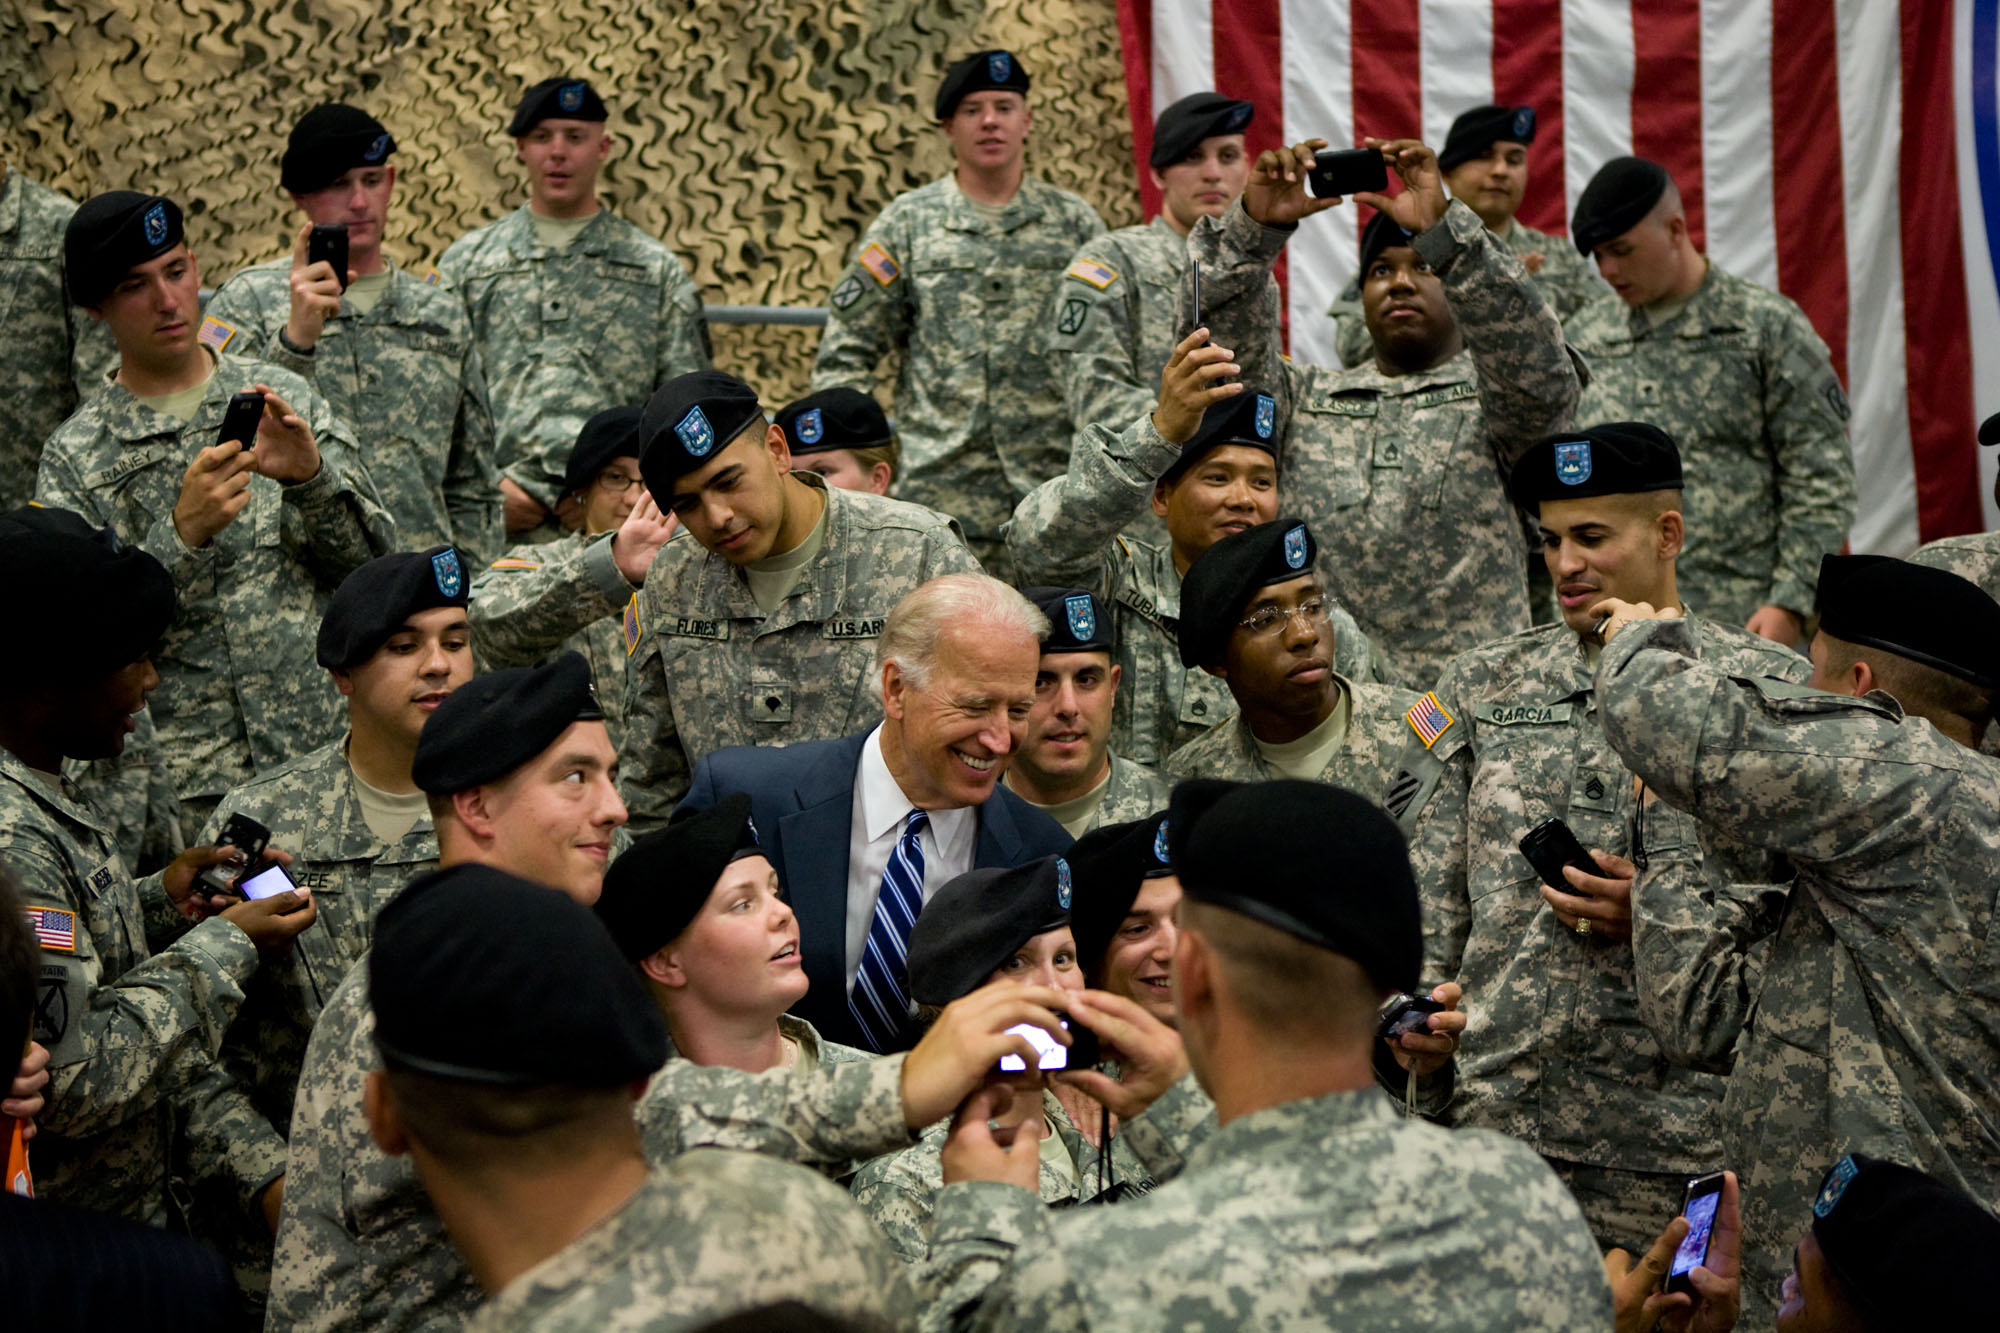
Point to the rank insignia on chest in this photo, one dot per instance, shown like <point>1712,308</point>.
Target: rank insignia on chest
<point>1267,415</point>
<point>880,265</point>
<point>1097,275</point>
<point>1082,620</point>
<point>811,426</point>
<point>1429,720</point>
<point>447,571</point>
<point>54,928</point>
<point>1295,547</point>
<point>696,435</point>
<point>1573,462</point>
<point>629,624</point>
<point>215,335</point>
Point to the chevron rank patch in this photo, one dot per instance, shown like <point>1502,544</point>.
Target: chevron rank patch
<point>877,261</point>
<point>629,625</point>
<point>215,335</point>
<point>1097,275</point>
<point>1429,720</point>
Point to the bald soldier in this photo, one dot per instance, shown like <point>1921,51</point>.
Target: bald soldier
<point>956,277</point>
<point>1485,163</point>
<point>1736,374</point>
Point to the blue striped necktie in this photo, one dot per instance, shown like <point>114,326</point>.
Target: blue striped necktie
<point>881,996</point>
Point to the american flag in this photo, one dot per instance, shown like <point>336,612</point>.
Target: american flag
<point>53,927</point>
<point>1845,152</point>
<point>1428,719</point>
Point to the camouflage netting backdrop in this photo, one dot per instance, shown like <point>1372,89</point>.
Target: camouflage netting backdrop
<point>756,137</point>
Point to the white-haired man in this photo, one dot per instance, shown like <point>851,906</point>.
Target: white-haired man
<point>865,828</point>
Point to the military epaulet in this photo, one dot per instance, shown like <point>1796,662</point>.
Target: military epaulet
<point>1429,720</point>
<point>513,562</point>
<point>629,625</point>
<point>215,335</point>
<point>880,264</point>
<point>1097,275</point>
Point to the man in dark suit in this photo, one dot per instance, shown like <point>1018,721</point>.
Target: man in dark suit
<point>863,829</point>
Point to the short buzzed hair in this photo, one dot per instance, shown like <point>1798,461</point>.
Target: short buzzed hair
<point>917,623</point>
<point>1288,988</point>
<point>1920,689</point>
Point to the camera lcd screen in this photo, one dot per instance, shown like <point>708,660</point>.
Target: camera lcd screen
<point>1054,1055</point>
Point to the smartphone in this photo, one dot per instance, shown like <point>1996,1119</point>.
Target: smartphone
<point>1195,321</point>
<point>1698,1205</point>
<point>1081,1053</point>
<point>239,422</point>
<point>1549,847</point>
<point>1406,1013</point>
<point>329,242</point>
<point>1347,171</point>
<point>265,879</point>
<point>248,838</point>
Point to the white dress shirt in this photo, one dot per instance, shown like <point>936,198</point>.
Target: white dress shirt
<point>949,840</point>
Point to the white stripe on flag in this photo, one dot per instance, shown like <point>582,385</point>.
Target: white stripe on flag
<point>1319,102</point>
<point>1597,90</point>
<point>1183,52</point>
<point>1456,60</point>
<point>1982,292</point>
<point>1868,38</point>
<point>1736,138</point>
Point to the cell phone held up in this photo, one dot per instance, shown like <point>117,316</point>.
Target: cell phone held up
<point>1406,1013</point>
<point>1698,1204</point>
<point>239,420</point>
<point>245,839</point>
<point>1549,846</point>
<point>1343,172</point>
<point>329,242</point>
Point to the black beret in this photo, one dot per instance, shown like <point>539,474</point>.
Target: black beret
<point>656,887</point>
<point>612,433</point>
<point>1477,130</point>
<point>1931,616</point>
<point>377,599</point>
<point>1222,578</point>
<point>1617,199</point>
<point>1182,126</point>
<point>1077,623</point>
<point>687,421</point>
<point>837,418</point>
<point>1242,854</point>
<point>110,235</point>
<point>1614,458</point>
<point>1382,233</point>
<point>112,601</point>
<point>1107,867</point>
<point>980,72</point>
<point>494,723</point>
<point>328,142</point>
<point>557,99</point>
<point>1907,1248</point>
<point>479,976</point>
<point>1989,430</point>
<point>1248,418</point>
<point>974,924</point>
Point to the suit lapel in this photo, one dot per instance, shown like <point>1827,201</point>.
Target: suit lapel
<point>999,837</point>
<point>812,843</point>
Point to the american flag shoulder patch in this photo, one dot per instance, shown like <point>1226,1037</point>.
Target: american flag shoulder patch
<point>880,264</point>
<point>54,928</point>
<point>1097,275</point>
<point>1429,720</point>
<point>215,335</point>
<point>513,562</point>
<point>629,625</point>
<point>432,278</point>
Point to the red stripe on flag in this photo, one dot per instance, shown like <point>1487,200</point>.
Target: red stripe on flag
<point>1666,97</point>
<point>1248,45</point>
<point>1936,321</point>
<point>1388,75</point>
<point>1135,41</point>
<point>1527,71</point>
<point>1809,192</point>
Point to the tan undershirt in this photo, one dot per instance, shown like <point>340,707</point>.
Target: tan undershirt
<point>1075,815</point>
<point>1307,757</point>
<point>991,212</point>
<point>365,292</point>
<point>557,233</point>
<point>389,815</point>
<point>180,404</point>
<point>773,578</point>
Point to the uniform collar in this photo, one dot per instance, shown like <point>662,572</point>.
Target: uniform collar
<point>67,803</point>
<point>1023,208</point>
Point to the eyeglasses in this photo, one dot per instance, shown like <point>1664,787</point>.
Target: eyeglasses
<point>614,482</point>
<point>1270,619</point>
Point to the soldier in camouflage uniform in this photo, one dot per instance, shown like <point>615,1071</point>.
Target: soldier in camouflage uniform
<point>1398,465</point>
<point>392,353</point>
<point>1735,373</point>
<point>543,597</point>
<point>575,309</point>
<point>256,533</point>
<point>758,624</point>
<point>1512,735</point>
<point>1313,1202</point>
<point>1874,1027</point>
<point>1064,765</point>
<point>1974,556</point>
<point>131,1022</point>
<point>54,354</point>
<point>1253,614</point>
<point>957,278</point>
<point>134,793</point>
<point>1117,314</point>
<point>1215,473</point>
<point>1485,163</point>
<point>494,997</point>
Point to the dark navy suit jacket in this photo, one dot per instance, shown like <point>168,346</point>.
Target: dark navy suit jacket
<point>802,800</point>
